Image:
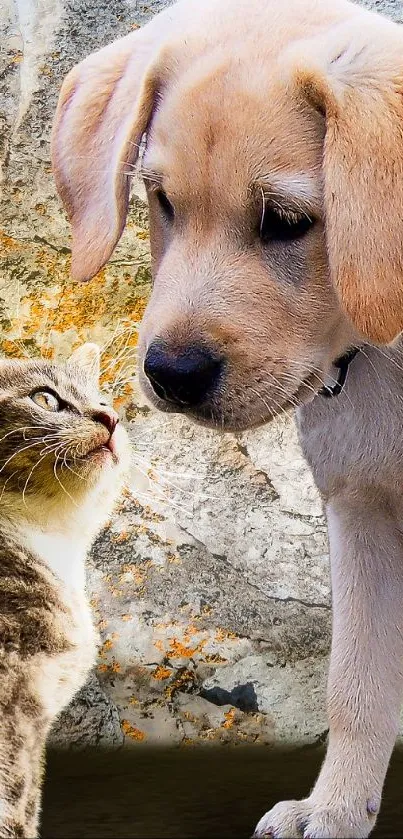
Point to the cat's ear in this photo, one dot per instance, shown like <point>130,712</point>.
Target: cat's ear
<point>88,357</point>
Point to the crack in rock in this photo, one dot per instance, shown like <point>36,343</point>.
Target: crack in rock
<point>224,559</point>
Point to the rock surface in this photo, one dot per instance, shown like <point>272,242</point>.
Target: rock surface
<point>210,588</point>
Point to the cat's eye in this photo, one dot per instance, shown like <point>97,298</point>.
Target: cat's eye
<point>46,400</point>
<point>165,204</point>
<point>278,225</point>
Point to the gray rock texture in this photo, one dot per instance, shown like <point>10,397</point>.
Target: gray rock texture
<point>210,587</point>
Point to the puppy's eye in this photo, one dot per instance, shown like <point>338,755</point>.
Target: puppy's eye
<point>165,204</point>
<point>46,400</point>
<point>283,226</point>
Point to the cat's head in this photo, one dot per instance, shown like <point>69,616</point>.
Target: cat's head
<point>61,444</point>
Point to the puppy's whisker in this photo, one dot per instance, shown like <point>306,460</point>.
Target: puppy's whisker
<point>385,355</point>
<point>137,146</point>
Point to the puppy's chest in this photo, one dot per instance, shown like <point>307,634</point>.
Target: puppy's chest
<point>349,443</point>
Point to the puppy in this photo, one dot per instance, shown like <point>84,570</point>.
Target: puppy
<point>274,169</point>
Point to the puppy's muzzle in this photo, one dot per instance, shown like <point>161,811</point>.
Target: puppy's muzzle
<point>184,378</point>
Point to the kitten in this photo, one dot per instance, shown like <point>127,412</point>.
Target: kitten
<point>63,460</point>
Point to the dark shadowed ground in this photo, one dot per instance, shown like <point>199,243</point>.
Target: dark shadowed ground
<point>184,793</point>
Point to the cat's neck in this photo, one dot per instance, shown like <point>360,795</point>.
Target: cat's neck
<point>61,538</point>
<point>62,554</point>
<point>60,531</point>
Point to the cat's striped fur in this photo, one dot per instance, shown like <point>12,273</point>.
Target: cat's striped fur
<point>60,473</point>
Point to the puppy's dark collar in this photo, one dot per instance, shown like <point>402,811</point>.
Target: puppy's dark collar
<point>342,364</point>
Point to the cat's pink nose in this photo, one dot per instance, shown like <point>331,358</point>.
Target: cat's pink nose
<point>108,417</point>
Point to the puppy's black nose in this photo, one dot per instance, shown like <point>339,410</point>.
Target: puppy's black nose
<point>183,378</point>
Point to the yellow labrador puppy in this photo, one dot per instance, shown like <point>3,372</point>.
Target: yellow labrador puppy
<point>274,168</point>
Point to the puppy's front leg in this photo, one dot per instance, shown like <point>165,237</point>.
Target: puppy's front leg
<point>365,679</point>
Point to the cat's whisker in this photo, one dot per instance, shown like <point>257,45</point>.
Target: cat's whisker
<point>118,332</point>
<point>6,482</point>
<point>60,482</point>
<point>24,428</point>
<point>137,146</point>
<point>373,367</point>
<point>123,353</point>
<point>126,373</point>
<point>40,459</point>
<point>117,385</point>
<point>127,363</point>
<point>38,441</point>
<point>65,464</point>
<point>165,481</point>
<point>52,445</point>
<point>20,346</point>
<point>41,337</point>
<point>167,501</point>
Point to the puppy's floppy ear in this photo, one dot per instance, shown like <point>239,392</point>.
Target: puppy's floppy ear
<point>354,76</point>
<point>104,108</point>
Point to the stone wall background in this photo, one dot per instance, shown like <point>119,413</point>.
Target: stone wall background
<point>210,587</point>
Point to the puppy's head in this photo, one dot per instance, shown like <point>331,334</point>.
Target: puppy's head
<point>274,169</point>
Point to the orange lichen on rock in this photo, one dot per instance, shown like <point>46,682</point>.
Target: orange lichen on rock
<point>135,574</point>
<point>183,681</point>
<point>215,658</point>
<point>104,649</point>
<point>133,732</point>
<point>8,243</point>
<point>12,349</point>
<point>54,311</point>
<point>121,537</point>
<point>161,673</point>
<point>178,650</point>
<point>103,623</point>
<point>229,718</point>
<point>225,635</point>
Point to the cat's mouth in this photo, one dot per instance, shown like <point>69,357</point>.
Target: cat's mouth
<point>106,451</point>
<point>100,453</point>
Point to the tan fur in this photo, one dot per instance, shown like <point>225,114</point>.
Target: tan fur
<point>246,103</point>
<point>346,62</point>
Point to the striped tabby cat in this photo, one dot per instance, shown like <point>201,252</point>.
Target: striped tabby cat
<point>63,459</point>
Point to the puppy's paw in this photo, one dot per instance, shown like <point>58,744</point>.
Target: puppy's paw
<point>284,821</point>
<point>305,820</point>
